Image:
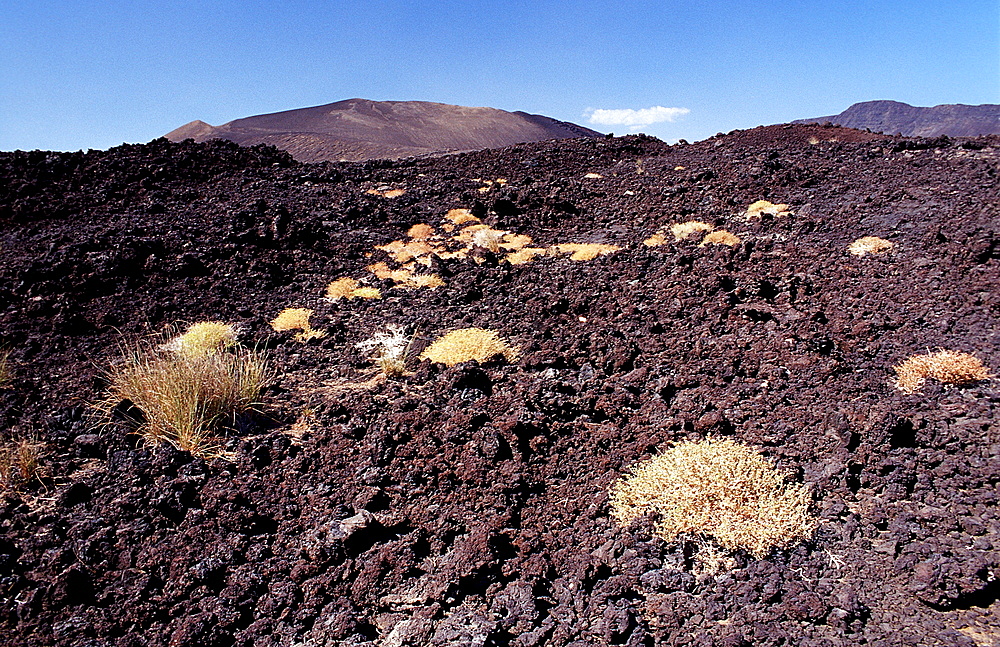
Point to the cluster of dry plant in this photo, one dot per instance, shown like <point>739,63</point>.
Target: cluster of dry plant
<point>869,245</point>
<point>20,463</point>
<point>945,366</point>
<point>186,391</point>
<point>297,319</point>
<point>715,488</point>
<point>348,288</point>
<point>762,208</point>
<point>389,349</point>
<point>203,338</point>
<point>5,371</point>
<point>683,230</point>
<point>467,344</point>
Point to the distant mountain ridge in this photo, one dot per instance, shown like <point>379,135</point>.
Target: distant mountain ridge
<point>891,117</point>
<point>360,129</point>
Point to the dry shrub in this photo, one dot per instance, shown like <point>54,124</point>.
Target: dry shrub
<point>405,278</point>
<point>584,251</point>
<point>467,344</point>
<point>656,240</point>
<point>20,463</point>
<point>716,488</point>
<point>945,366</point>
<point>525,255</point>
<point>6,375</point>
<point>763,208</point>
<point>489,239</point>
<point>348,288</point>
<point>460,216</point>
<point>593,176</point>
<point>297,319</point>
<point>514,242</point>
<point>202,338</point>
<point>682,230</point>
<point>389,349</point>
<point>720,237</point>
<point>185,398</point>
<point>869,245</point>
<point>420,231</point>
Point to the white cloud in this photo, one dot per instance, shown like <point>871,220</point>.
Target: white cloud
<point>634,119</point>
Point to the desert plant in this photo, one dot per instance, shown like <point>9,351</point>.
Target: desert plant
<point>945,366</point>
<point>720,237</point>
<point>185,398</point>
<point>202,338</point>
<point>389,350</point>
<point>682,230</point>
<point>20,463</point>
<point>6,375</point>
<point>869,245</point>
<point>297,319</point>
<point>584,251</point>
<point>468,344</point>
<point>719,489</point>
<point>489,239</point>
<point>763,208</point>
<point>348,288</point>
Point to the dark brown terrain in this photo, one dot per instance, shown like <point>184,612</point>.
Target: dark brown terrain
<point>894,117</point>
<point>469,505</point>
<point>358,129</point>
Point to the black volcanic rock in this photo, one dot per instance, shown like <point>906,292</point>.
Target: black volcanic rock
<point>893,117</point>
<point>358,129</point>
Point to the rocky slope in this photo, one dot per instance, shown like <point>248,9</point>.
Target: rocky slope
<point>469,505</point>
<point>359,129</point>
<point>894,117</point>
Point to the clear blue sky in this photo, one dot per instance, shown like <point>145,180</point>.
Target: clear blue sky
<point>93,74</point>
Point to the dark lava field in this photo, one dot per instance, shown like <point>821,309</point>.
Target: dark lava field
<point>469,505</point>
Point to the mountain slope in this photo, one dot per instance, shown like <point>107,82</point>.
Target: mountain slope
<point>892,117</point>
<point>359,129</point>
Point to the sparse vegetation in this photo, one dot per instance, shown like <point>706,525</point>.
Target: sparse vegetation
<point>715,488</point>
<point>389,350</point>
<point>202,338</point>
<point>20,463</point>
<point>184,398</point>
<point>945,366</point>
<point>869,245</point>
<point>6,375</point>
<point>763,208</point>
<point>720,237</point>
<point>584,251</point>
<point>682,230</point>
<point>297,319</point>
<point>468,344</point>
<point>348,288</point>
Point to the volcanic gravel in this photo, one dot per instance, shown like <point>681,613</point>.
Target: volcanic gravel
<point>469,505</point>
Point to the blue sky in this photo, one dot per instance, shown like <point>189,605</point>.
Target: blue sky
<point>93,74</point>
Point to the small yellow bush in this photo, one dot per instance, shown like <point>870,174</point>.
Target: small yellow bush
<point>460,216</point>
<point>945,366</point>
<point>185,397</point>
<point>468,344</point>
<point>682,230</point>
<point>717,488</point>
<point>202,338</point>
<point>720,237</point>
<point>20,463</point>
<point>348,288</point>
<point>584,251</point>
<point>297,319</point>
<point>420,231</point>
<point>764,208</point>
<point>869,245</point>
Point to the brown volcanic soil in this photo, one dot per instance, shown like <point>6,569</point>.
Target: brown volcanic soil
<point>478,494</point>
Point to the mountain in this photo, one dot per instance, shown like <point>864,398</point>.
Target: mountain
<point>359,129</point>
<point>894,117</point>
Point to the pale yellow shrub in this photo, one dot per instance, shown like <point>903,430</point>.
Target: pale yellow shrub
<point>297,319</point>
<point>203,337</point>
<point>584,251</point>
<point>460,216</point>
<point>682,230</point>
<point>945,366</point>
<point>468,344</point>
<point>656,240</point>
<point>348,288</point>
<point>869,245</point>
<point>720,237</point>
<point>764,208</point>
<point>420,231</point>
<point>715,488</point>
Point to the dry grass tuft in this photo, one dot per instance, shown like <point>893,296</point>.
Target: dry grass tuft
<point>297,319</point>
<point>20,463</point>
<point>420,231</point>
<point>716,488</point>
<point>720,237</point>
<point>593,176</point>
<point>460,216</point>
<point>405,278</point>
<point>185,398</point>
<point>389,349</point>
<point>467,344</point>
<point>203,338</point>
<point>682,230</point>
<point>869,245</point>
<point>6,374</point>
<point>489,239</point>
<point>945,366</point>
<point>525,255</point>
<point>584,251</point>
<point>656,240</point>
<point>763,208</point>
<point>348,288</point>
